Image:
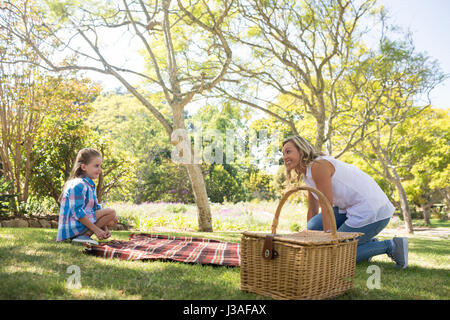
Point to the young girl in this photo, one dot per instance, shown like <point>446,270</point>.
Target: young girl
<point>80,215</point>
<point>360,204</point>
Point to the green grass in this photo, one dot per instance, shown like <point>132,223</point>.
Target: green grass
<point>426,277</point>
<point>34,266</point>
<point>434,223</point>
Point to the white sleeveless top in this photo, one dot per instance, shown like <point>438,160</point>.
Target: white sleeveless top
<point>355,193</point>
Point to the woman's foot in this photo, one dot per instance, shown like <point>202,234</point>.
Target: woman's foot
<point>399,252</point>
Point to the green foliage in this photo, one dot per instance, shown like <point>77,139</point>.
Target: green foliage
<point>259,185</point>
<point>7,202</point>
<point>41,206</point>
<point>132,129</point>
<point>62,9</point>
<point>59,141</point>
<point>34,104</point>
<point>62,135</point>
<point>421,160</point>
<point>295,227</point>
<point>236,180</point>
<point>177,208</point>
<point>142,141</point>
<point>55,164</point>
<point>221,186</point>
<point>425,156</point>
<point>164,181</point>
<point>118,170</point>
<point>122,118</point>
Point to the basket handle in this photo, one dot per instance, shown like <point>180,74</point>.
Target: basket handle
<point>321,196</point>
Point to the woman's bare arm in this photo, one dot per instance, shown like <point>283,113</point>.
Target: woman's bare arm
<point>322,172</point>
<point>313,206</point>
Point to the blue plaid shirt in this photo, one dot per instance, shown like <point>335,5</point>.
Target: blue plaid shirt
<point>79,200</point>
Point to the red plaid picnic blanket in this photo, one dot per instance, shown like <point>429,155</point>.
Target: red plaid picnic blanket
<point>162,247</point>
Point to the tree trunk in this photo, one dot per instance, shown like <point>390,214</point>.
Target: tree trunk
<point>404,207</point>
<point>392,175</point>
<point>320,133</point>
<point>426,214</point>
<point>194,170</point>
<point>100,188</point>
<point>320,116</point>
<point>446,195</point>
<point>17,183</point>
<point>29,162</point>
<point>201,197</point>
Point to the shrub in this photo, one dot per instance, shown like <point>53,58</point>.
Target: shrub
<point>7,201</point>
<point>176,208</point>
<point>41,206</point>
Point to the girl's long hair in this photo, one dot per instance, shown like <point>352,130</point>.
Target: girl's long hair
<point>84,156</point>
<point>308,154</point>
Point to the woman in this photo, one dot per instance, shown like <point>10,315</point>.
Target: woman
<point>359,203</point>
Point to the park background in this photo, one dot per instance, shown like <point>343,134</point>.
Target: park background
<point>340,73</point>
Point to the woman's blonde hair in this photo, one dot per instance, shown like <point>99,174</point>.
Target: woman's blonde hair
<point>307,155</point>
<point>84,156</point>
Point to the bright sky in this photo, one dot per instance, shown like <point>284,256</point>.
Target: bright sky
<point>429,22</point>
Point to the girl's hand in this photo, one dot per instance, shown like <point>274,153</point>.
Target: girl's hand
<point>108,233</point>
<point>101,235</point>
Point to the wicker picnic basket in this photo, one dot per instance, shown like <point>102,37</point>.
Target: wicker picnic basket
<point>304,265</point>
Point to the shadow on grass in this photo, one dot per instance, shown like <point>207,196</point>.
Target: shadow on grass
<point>425,246</point>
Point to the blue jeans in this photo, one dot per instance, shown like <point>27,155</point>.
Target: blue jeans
<point>367,248</point>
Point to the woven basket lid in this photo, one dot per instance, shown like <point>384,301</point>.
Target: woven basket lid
<point>308,237</point>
